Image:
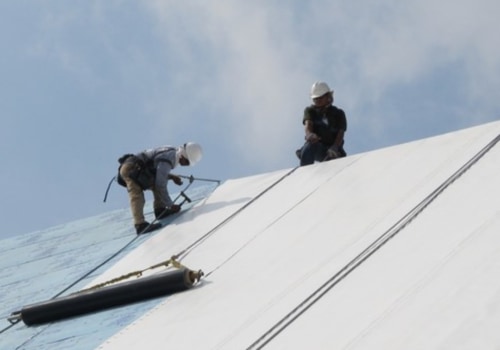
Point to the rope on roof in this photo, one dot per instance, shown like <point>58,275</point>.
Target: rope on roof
<point>138,273</point>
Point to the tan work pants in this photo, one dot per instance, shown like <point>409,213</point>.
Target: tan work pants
<point>135,193</point>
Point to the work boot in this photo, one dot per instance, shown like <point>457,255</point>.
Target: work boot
<point>162,213</point>
<point>146,227</point>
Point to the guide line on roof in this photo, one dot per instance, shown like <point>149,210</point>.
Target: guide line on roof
<point>200,240</point>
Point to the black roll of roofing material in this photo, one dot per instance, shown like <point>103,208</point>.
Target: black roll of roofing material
<point>108,297</point>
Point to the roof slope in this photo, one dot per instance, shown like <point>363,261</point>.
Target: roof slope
<point>395,248</point>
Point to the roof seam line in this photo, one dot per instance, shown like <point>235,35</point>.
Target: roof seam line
<point>200,240</point>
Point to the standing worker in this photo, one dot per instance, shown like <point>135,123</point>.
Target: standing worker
<point>325,126</point>
<point>150,170</point>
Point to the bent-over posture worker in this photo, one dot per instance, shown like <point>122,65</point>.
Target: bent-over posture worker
<point>150,170</point>
<point>325,126</point>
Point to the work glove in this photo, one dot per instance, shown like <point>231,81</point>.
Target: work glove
<point>332,153</point>
<point>176,179</point>
<point>312,137</point>
<point>162,213</point>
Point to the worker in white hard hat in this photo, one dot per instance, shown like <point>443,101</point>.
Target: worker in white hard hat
<point>150,170</point>
<point>325,126</point>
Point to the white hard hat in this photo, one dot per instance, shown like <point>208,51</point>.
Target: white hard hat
<point>193,152</point>
<point>319,88</point>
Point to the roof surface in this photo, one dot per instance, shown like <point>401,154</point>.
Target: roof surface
<point>395,248</point>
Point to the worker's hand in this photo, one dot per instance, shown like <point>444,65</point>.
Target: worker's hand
<point>174,208</point>
<point>332,153</point>
<point>176,179</point>
<point>312,137</point>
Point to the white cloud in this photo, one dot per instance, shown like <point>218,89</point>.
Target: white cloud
<point>254,62</point>
<point>241,70</point>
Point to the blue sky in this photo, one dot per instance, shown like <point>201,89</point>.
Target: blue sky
<point>85,81</point>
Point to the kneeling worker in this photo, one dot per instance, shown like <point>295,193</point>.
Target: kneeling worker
<point>325,126</point>
<point>150,170</point>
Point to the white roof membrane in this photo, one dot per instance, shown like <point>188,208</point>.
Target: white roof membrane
<point>268,259</point>
<point>391,249</point>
